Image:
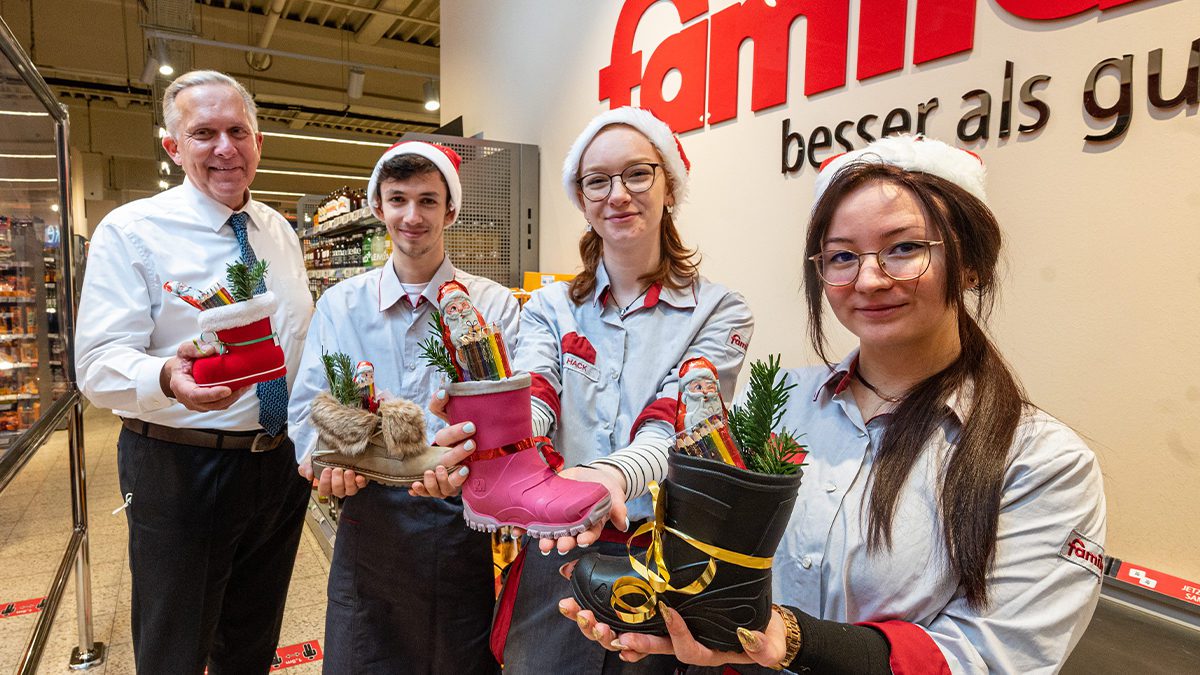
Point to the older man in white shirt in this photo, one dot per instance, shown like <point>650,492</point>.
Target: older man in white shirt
<point>212,499</point>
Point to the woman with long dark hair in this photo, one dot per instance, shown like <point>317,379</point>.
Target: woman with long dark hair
<point>944,523</point>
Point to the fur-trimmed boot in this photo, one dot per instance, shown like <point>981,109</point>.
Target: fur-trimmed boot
<point>734,519</point>
<point>247,348</point>
<point>514,477</point>
<point>388,448</point>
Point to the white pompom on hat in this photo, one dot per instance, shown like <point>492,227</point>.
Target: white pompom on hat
<point>446,160</point>
<point>675,162</point>
<point>911,153</point>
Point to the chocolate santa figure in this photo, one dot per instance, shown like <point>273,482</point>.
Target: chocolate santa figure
<point>364,379</point>
<point>461,322</point>
<point>699,394</point>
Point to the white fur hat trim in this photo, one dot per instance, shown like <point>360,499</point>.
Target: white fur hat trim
<point>695,373</point>
<point>675,162</point>
<point>446,160</point>
<point>239,313</point>
<point>912,153</point>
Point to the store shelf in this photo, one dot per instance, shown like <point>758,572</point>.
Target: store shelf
<point>16,299</point>
<point>9,398</point>
<point>9,337</point>
<point>347,222</point>
<point>15,264</point>
<point>340,272</point>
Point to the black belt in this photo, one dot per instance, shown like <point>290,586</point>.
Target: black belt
<point>254,441</point>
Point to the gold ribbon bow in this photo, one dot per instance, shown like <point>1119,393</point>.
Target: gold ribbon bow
<point>651,583</point>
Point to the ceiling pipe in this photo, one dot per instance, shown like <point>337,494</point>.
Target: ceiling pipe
<point>258,60</point>
<point>185,37</point>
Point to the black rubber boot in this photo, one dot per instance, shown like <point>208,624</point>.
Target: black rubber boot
<point>720,505</point>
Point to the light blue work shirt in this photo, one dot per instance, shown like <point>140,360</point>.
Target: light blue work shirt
<point>611,381</point>
<point>1042,591</point>
<point>370,318</point>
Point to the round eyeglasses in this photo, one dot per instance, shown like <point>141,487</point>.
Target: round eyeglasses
<point>636,178</point>
<point>902,261</point>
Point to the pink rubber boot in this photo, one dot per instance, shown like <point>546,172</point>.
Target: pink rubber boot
<point>511,480</point>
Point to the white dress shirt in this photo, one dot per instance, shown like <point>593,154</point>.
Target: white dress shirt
<point>370,318</point>
<point>129,326</point>
<point>610,383</point>
<point>1040,599</point>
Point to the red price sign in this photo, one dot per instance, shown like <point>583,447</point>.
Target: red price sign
<point>21,607</point>
<point>294,655</point>
<point>1159,582</point>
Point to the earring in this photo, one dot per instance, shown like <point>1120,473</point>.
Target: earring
<point>670,209</point>
<point>589,226</point>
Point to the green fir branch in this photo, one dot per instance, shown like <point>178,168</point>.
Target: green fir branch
<point>339,371</point>
<point>243,278</point>
<point>751,424</point>
<point>434,352</point>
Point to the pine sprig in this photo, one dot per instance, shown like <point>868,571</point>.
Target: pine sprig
<point>434,352</point>
<point>243,279</point>
<point>751,424</point>
<point>339,371</point>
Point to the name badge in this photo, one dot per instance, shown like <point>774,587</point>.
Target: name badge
<point>572,362</point>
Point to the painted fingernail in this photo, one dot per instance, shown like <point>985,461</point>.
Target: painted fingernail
<point>749,640</point>
<point>582,621</point>
<point>597,634</point>
<point>563,610</point>
<point>616,644</point>
<point>662,610</point>
<point>563,552</point>
<point>470,446</point>
<point>469,428</point>
<point>464,471</point>
<point>441,394</point>
<point>544,552</point>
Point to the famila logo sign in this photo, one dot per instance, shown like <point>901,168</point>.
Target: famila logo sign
<point>705,53</point>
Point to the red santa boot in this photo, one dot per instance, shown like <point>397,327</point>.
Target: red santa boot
<point>248,349</point>
<point>514,479</point>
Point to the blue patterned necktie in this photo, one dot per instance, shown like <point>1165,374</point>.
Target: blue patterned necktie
<point>272,394</point>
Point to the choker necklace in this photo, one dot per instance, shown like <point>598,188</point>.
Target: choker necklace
<point>622,311</point>
<point>890,399</point>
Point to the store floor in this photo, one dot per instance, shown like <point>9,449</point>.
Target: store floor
<point>35,524</point>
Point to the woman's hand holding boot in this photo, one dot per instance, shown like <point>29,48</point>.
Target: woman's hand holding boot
<point>766,648</point>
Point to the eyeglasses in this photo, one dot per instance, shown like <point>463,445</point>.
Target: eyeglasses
<point>902,261</point>
<point>636,178</point>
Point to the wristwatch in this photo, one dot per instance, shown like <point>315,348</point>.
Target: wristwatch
<point>792,636</point>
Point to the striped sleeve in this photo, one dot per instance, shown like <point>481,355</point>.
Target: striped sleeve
<point>642,461</point>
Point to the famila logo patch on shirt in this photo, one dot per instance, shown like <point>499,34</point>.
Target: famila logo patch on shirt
<point>1083,552</point>
<point>738,341</point>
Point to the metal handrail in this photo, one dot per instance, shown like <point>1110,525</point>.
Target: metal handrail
<point>69,406</point>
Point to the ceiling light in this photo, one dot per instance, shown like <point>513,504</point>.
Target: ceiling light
<point>8,155</point>
<point>278,193</point>
<point>163,185</point>
<point>354,83</point>
<point>164,167</point>
<point>162,132</point>
<point>24,113</point>
<point>54,208</point>
<point>302,137</point>
<point>164,58</point>
<point>314,174</point>
<point>431,96</point>
<point>29,180</point>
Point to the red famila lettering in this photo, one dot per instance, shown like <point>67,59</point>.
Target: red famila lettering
<point>706,52</point>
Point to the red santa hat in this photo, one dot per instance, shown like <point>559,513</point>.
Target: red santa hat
<point>675,162</point>
<point>450,291</point>
<point>912,153</point>
<point>446,160</point>
<point>695,369</point>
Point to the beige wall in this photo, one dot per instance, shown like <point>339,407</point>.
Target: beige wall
<point>1100,305</point>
